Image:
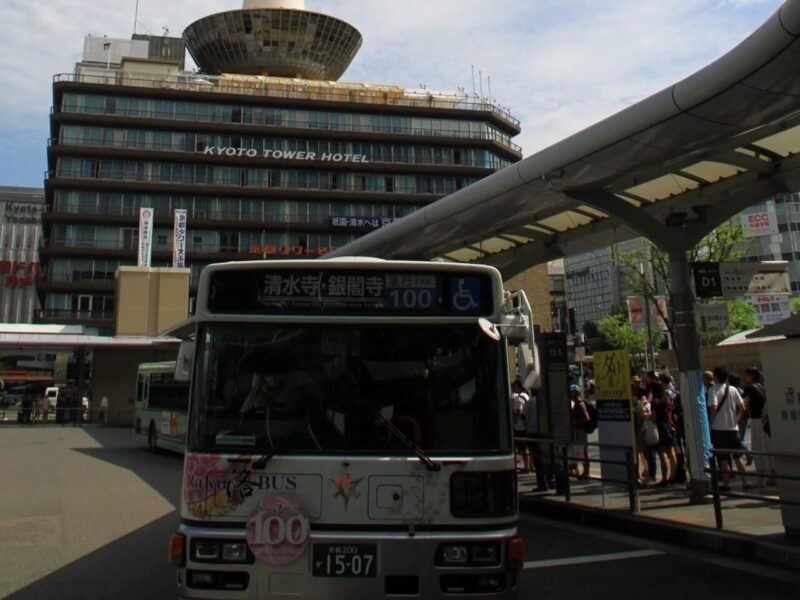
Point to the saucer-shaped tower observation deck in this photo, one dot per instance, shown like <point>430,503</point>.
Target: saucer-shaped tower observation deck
<point>278,38</point>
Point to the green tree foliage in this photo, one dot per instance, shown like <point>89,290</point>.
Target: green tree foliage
<point>742,316</point>
<point>616,333</point>
<point>796,305</point>
<point>727,243</point>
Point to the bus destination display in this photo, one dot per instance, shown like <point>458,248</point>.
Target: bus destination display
<point>305,291</point>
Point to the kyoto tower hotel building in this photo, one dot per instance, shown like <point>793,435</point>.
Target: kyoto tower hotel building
<point>271,155</point>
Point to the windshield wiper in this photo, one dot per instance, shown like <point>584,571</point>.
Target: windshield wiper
<point>421,454</point>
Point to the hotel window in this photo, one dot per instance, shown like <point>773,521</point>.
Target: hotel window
<point>229,241</point>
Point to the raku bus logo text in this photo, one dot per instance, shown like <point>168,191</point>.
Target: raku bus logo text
<point>212,488</point>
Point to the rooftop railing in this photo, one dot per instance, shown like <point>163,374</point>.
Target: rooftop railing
<point>491,133</point>
<point>282,88</point>
<point>265,183</point>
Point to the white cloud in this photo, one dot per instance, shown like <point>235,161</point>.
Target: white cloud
<point>560,64</point>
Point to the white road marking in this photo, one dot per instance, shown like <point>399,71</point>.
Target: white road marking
<point>583,560</point>
<point>685,552</point>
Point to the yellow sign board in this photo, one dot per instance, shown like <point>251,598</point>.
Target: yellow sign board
<point>612,375</point>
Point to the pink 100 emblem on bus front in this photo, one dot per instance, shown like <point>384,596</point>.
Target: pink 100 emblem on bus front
<point>278,531</point>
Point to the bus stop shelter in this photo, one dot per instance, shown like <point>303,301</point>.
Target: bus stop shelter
<point>115,360</point>
<point>671,168</point>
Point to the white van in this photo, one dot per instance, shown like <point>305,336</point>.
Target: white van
<point>51,394</point>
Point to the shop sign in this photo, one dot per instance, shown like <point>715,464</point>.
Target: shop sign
<point>361,222</point>
<point>23,213</point>
<point>275,250</point>
<point>19,274</point>
<point>232,152</point>
<point>179,240</point>
<point>760,223</point>
<point>772,308</point>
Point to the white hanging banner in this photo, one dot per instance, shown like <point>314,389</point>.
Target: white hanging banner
<point>179,240</point>
<point>145,237</point>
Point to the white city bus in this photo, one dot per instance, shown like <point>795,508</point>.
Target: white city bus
<point>162,407</point>
<point>350,433</point>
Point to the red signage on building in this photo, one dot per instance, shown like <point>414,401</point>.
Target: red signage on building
<point>289,250</point>
<point>19,274</point>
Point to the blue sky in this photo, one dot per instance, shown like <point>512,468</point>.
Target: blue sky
<point>560,65</point>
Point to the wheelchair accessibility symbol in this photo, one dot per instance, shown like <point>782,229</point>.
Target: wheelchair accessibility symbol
<point>465,295</point>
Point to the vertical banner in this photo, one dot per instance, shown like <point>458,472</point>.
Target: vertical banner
<point>614,411</point>
<point>145,237</point>
<point>179,240</point>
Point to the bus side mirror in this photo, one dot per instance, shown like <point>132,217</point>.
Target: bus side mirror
<point>183,366</point>
<point>528,367</point>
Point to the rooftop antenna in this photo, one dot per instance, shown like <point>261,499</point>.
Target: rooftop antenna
<point>473,80</point>
<point>490,89</point>
<point>135,17</point>
<point>480,79</point>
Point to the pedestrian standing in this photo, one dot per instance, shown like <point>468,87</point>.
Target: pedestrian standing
<point>519,402</point>
<point>533,459</point>
<point>581,420</point>
<point>103,409</point>
<point>725,406</point>
<point>663,417</point>
<point>641,412</point>
<point>744,417</point>
<point>44,411</point>
<point>755,399</point>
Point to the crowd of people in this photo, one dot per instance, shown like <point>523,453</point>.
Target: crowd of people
<point>735,405</point>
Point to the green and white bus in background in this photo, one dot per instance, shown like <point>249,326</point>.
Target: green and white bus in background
<point>162,406</point>
<point>350,432</point>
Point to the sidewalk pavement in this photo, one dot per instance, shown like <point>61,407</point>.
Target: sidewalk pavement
<point>753,530</point>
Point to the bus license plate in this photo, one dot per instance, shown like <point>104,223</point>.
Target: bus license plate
<point>344,560</point>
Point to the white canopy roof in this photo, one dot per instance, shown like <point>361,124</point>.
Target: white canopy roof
<point>696,153</point>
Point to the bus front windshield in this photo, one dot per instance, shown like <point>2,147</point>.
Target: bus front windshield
<point>349,389</point>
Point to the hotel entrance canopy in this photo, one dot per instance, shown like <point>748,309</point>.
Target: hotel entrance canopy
<point>671,168</point>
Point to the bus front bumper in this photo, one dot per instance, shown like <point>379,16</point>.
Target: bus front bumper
<point>406,564</point>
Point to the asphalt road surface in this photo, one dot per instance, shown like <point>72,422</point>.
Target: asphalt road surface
<point>86,513</point>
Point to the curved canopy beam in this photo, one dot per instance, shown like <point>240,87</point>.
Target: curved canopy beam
<point>732,130</point>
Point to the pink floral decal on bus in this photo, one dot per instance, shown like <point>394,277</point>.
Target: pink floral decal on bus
<point>278,531</point>
<point>213,486</point>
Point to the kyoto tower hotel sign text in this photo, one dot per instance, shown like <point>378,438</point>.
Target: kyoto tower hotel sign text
<point>285,155</point>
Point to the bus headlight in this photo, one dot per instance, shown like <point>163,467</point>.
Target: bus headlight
<point>206,551</point>
<point>483,495</point>
<point>469,555</point>
<point>211,551</point>
<point>235,552</point>
<point>454,555</point>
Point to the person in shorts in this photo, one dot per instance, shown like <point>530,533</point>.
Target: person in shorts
<point>725,407</point>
